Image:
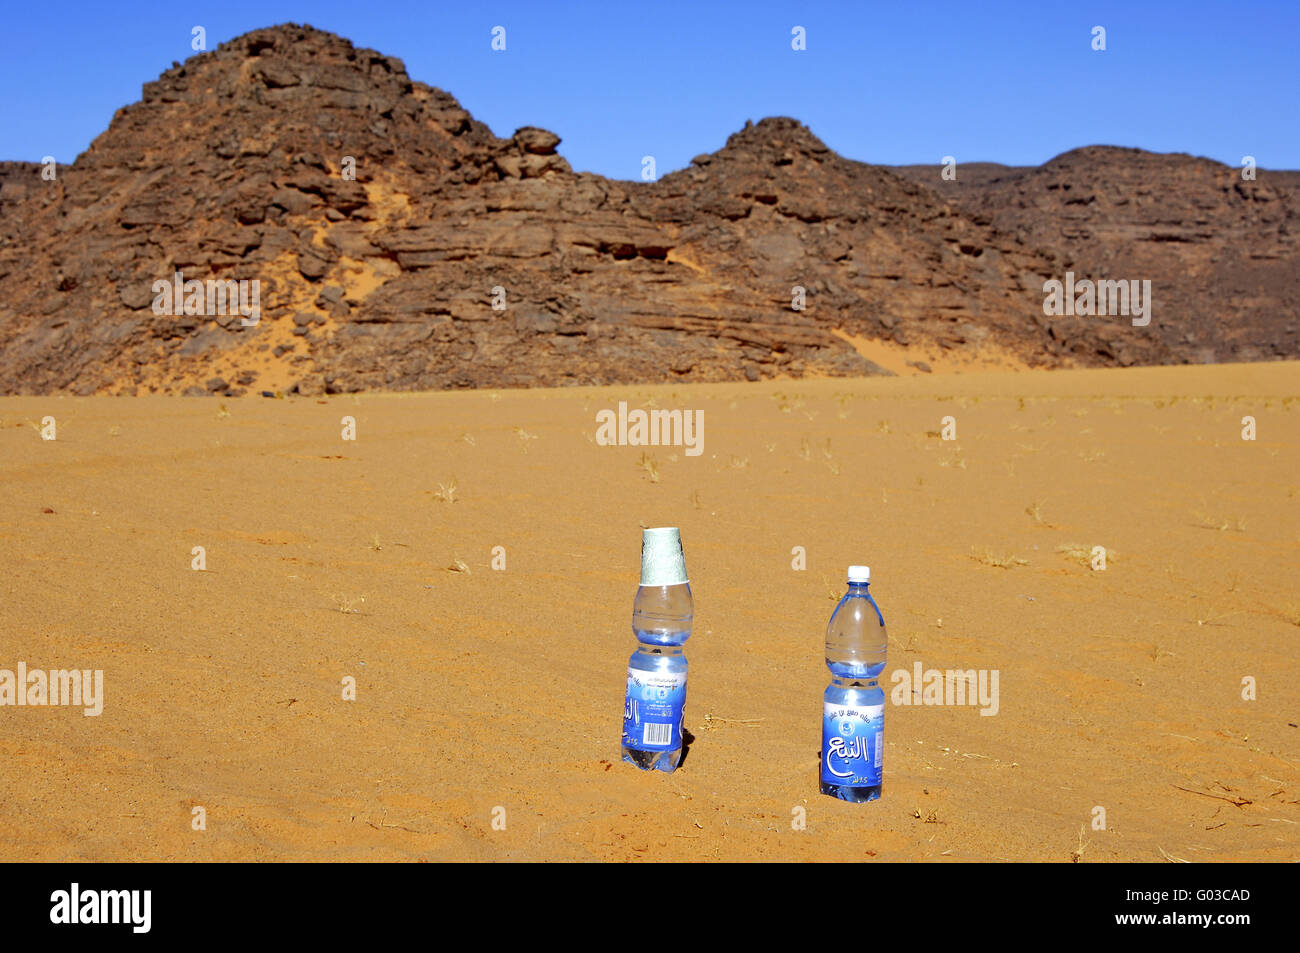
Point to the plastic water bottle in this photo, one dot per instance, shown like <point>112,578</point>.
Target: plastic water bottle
<point>853,711</point>
<point>656,673</point>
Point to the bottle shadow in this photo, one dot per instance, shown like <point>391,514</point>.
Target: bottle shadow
<point>688,739</point>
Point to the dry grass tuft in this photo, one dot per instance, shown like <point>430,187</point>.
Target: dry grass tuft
<point>1221,524</point>
<point>1076,855</point>
<point>524,436</point>
<point>347,605</point>
<point>650,466</point>
<point>986,557</point>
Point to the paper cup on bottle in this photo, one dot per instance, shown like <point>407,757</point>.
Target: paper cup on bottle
<point>662,561</point>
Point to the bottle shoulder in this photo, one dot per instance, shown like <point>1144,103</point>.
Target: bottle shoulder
<point>861,605</point>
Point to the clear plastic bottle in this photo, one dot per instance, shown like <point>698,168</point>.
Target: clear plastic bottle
<point>853,710</point>
<point>656,674</point>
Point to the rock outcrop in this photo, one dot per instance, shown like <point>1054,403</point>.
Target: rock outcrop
<point>399,244</point>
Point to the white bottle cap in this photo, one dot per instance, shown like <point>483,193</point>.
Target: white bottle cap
<point>859,574</point>
<point>662,560</point>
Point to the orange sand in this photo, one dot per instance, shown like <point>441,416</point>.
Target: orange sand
<point>486,689</point>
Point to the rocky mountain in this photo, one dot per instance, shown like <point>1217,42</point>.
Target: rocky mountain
<point>1222,252</point>
<point>399,244</point>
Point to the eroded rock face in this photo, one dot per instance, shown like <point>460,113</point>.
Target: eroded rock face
<point>1222,252</point>
<point>398,244</point>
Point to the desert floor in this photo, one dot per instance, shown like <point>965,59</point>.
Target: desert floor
<point>487,693</point>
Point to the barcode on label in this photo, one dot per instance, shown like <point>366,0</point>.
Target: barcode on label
<point>880,746</point>
<point>658,735</point>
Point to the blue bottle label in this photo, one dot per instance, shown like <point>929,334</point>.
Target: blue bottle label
<point>652,711</point>
<point>853,743</point>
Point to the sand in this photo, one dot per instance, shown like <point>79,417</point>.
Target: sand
<point>489,694</point>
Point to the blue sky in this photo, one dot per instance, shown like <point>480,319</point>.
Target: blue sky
<point>883,82</point>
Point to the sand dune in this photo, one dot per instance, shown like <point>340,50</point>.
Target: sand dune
<point>479,689</point>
